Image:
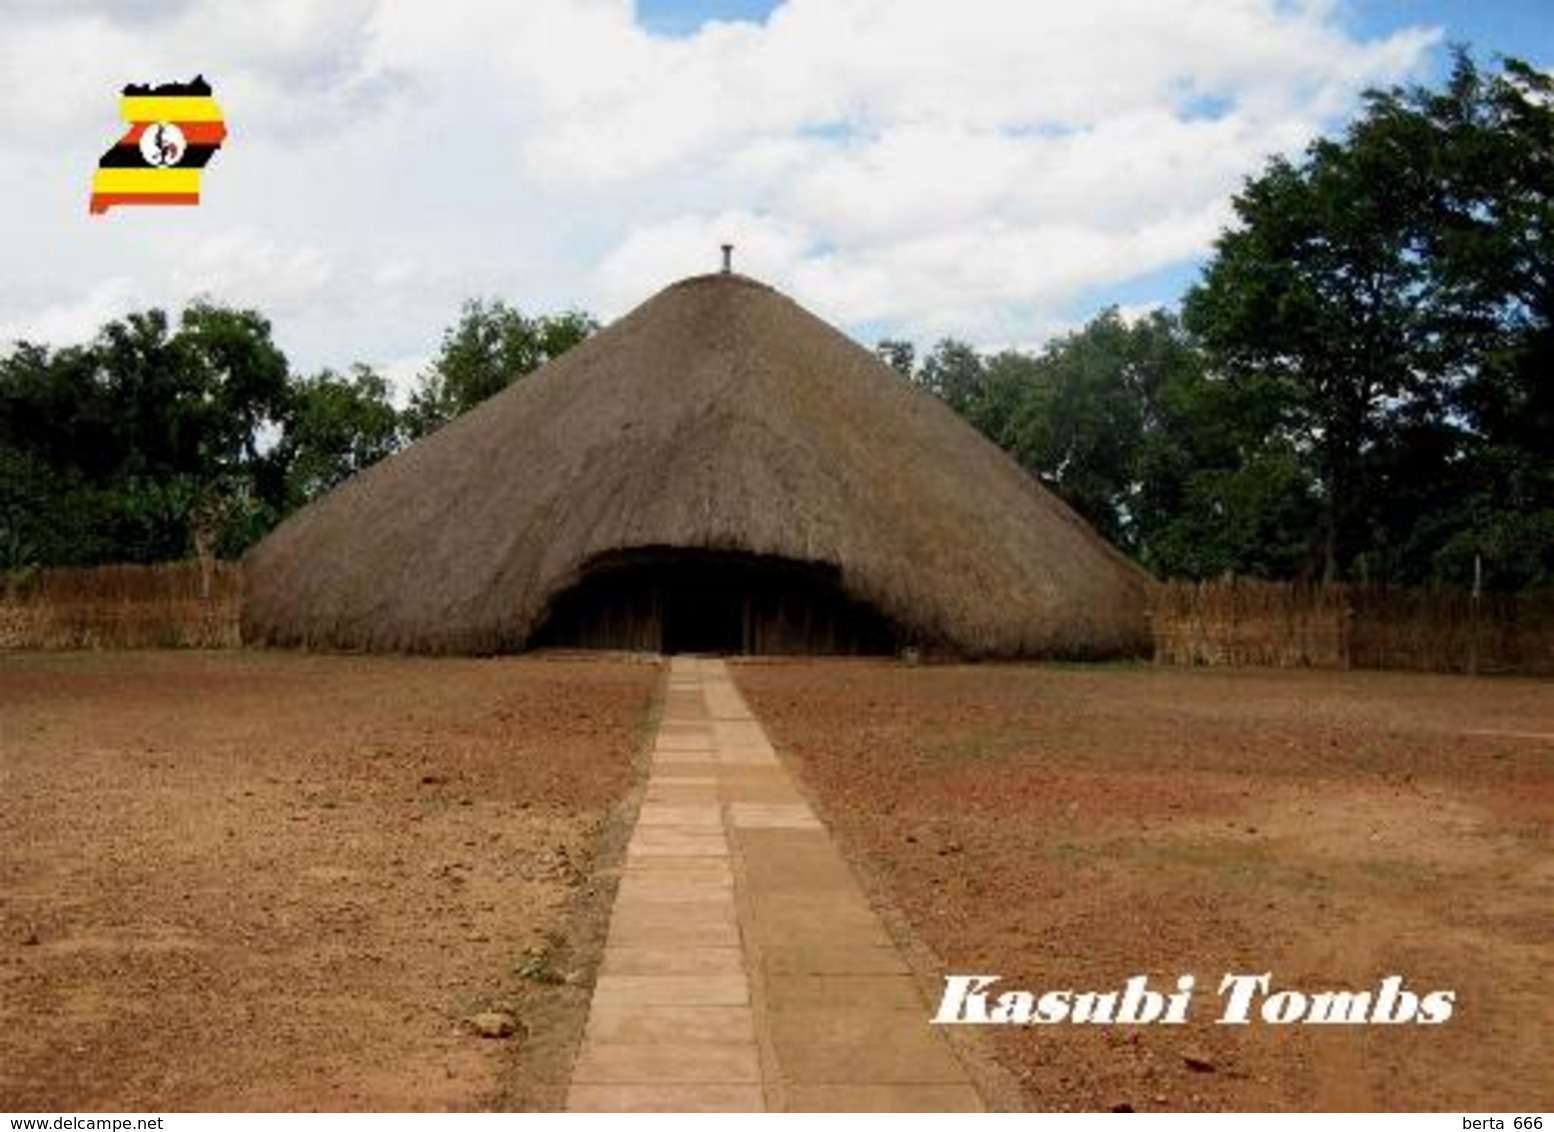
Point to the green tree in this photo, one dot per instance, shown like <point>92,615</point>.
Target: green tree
<point>335,426</point>
<point>239,483</point>
<point>1493,135</point>
<point>1079,422</point>
<point>1125,421</point>
<point>1391,292</point>
<point>243,382</point>
<point>899,355</point>
<point>1319,287</point>
<point>491,346</point>
<point>954,372</point>
<point>144,444</point>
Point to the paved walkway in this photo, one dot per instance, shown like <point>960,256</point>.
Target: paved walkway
<point>744,970</point>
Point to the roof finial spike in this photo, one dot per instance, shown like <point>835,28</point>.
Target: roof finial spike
<point>728,258</point>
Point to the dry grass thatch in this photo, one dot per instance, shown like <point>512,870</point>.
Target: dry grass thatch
<point>165,605</point>
<point>717,415</point>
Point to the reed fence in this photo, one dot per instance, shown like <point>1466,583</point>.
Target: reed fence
<point>1240,621</point>
<point>167,605</point>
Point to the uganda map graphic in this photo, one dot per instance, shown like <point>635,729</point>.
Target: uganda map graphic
<point>174,129</point>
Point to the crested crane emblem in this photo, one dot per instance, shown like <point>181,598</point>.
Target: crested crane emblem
<point>163,144</point>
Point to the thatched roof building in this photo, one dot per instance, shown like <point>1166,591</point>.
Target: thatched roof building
<point>719,470</point>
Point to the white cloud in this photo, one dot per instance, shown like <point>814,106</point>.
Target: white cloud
<point>985,168</point>
<point>654,256</point>
<point>244,268</point>
<point>934,166</point>
<point>72,320</point>
<point>403,375</point>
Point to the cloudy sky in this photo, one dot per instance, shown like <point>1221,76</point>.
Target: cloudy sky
<point>992,169</point>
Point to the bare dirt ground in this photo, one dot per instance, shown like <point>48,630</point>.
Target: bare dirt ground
<point>273,881</point>
<point>1072,827</point>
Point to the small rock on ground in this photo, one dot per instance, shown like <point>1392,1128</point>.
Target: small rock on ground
<point>1198,1061</point>
<point>494,1024</point>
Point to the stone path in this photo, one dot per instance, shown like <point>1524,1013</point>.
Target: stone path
<point>744,970</point>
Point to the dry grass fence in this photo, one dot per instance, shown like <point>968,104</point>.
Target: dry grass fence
<point>1242,621</point>
<point>1229,622</point>
<point>167,605</point>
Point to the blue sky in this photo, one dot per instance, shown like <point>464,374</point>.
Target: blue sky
<point>995,170</point>
<point>1512,26</point>
<point>683,17</point>
<point>1522,28</point>
<point>1515,27</point>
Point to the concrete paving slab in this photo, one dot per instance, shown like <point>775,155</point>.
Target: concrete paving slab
<point>883,1098</point>
<point>844,992</point>
<point>772,815</point>
<point>844,906</point>
<point>669,864</point>
<point>744,966</point>
<point>681,777</point>
<point>666,890</point>
<point>651,842</point>
<point>658,835</point>
<point>653,1022</point>
<point>760,793</point>
<point>811,933</point>
<point>849,922</point>
<point>672,990</point>
<point>700,913</point>
<point>665,878</point>
<point>667,1063</point>
<point>684,741</point>
<point>821,1045</point>
<point>702,759</point>
<point>830,959</point>
<point>701,1096</point>
<point>637,933</point>
<point>802,874</point>
<point>673,961</point>
<point>728,757</point>
<point>680,814</point>
<point>757,784</point>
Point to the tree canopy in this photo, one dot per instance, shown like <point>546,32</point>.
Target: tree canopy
<point>490,346</point>
<point>1358,386</point>
<point>160,439</point>
<point>1392,295</point>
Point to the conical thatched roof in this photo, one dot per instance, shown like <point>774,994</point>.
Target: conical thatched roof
<point>720,415</point>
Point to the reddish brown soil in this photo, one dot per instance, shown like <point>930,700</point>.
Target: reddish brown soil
<point>1070,828</point>
<point>271,881</point>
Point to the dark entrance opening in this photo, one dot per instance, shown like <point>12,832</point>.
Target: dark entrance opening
<point>703,611</point>
<point>673,601</point>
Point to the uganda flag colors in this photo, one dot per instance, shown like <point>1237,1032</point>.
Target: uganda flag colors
<point>173,130</point>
